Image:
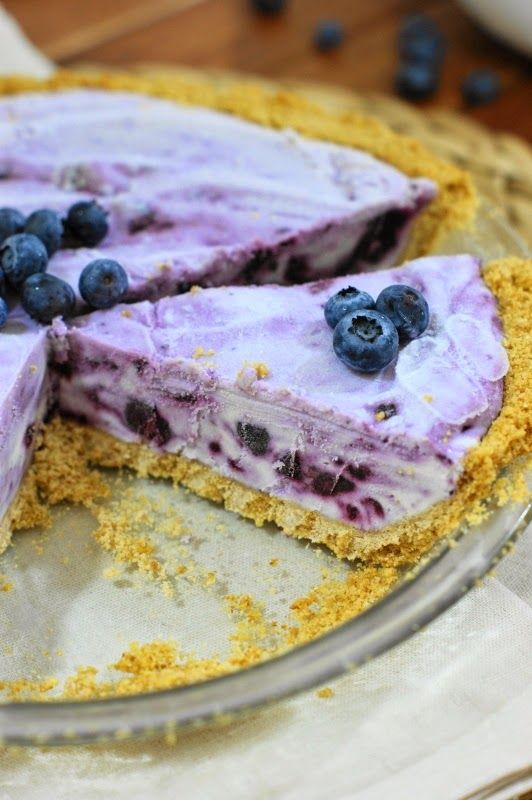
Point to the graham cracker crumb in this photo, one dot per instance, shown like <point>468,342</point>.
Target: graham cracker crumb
<point>255,369</point>
<point>195,289</point>
<point>325,692</point>
<point>126,312</point>
<point>200,352</point>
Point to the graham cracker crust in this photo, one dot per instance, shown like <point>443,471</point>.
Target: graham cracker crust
<point>454,206</point>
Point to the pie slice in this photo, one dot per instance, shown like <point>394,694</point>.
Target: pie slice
<point>237,393</point>
<point>24,399</point>
<point>198,197</point>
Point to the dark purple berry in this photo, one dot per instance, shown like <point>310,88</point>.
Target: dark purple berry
<point>86,224</point>
<point>366,341</point>
<point>344,302</point>
<point>22,255</point>
<point>480,86</point>
<point>406,308</point>
<point>327,485</point>
<point>290,466</point>
<point>255,438</point>
<point>386,410</point>
<point>421,40</point>
<point>268,6</point>
<point>144,419</point>
<point>45,297</point>
<point>381,235</point>
<point>11,222</point>
<point>47,226</point>
<point>103,283</point>
<point>416,81</point>
<point>328,34</point>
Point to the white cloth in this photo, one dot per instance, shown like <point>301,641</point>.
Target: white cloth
<point>436,718</point>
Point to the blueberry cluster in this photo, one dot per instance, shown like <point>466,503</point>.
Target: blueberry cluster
<point>367,333</point>
<point>421,52</point>
<point>26,244</point>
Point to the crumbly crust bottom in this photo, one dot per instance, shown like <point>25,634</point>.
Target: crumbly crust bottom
<point>456,202</point>
<point>60,477</point>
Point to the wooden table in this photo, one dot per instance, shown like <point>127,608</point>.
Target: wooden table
<point>227,34</point>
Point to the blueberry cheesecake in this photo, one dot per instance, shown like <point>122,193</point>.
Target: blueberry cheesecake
<point>246,395</point>
<point>201,277</point>
<point>25,395</point>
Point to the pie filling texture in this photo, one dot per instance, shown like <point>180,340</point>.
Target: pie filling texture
<point>197,197</point>
<point>243,379</point>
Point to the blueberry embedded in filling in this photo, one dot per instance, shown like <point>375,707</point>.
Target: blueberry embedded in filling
<point>254,437</point>
<point>373,505</point>
<point>140,365</point>
<point>147,422</point>
<point>327,485</point>
<point>386,410</point>
<point>381,236</point>
<point>360,472</point>
<point>290,466</point>
<point>261,261</point>
<point>297,270</point>
<point>141,223</point>
<point>186,398</point>
<point>215,448</point>
<point>29,436</point>
<point>352,512</point>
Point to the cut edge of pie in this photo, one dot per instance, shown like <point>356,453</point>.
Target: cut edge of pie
<point>508,439</point>
<point>454,206</point>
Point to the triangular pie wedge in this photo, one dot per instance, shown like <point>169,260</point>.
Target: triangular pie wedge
<point>237,393</point>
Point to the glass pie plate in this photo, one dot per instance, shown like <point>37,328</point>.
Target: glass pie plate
<point>70,606</point>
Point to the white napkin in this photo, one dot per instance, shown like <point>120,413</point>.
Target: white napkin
<point>17,54</point>
<point>436,718</point>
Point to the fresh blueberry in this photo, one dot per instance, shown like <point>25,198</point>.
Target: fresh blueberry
<point>407,309</point>
<point>366,340</point>
<point>480,86</point>
<point>21,255</point>
<point>3,312</point>
<point>11,221</point>
<point>47,226</point>
<point>268,6</point>
<point>421,40</point>
<point>145,420</point>
<point>103,283</point>
<point>328,34</point>
<point>416,81</point>
<point>344,302</point>
<point>423,50</point>
<point>45,297</point>
<point>2,283</point>
<point>415,25</point>
<point>86,223</point>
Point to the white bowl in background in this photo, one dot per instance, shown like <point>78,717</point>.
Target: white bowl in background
<point>510,20</point>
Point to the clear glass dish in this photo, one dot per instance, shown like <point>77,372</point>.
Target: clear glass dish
<point>58,584</point>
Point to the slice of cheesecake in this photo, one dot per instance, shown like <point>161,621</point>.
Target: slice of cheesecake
<point>237,392</point>
<point>196,196</point>
<point>24,399</point>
